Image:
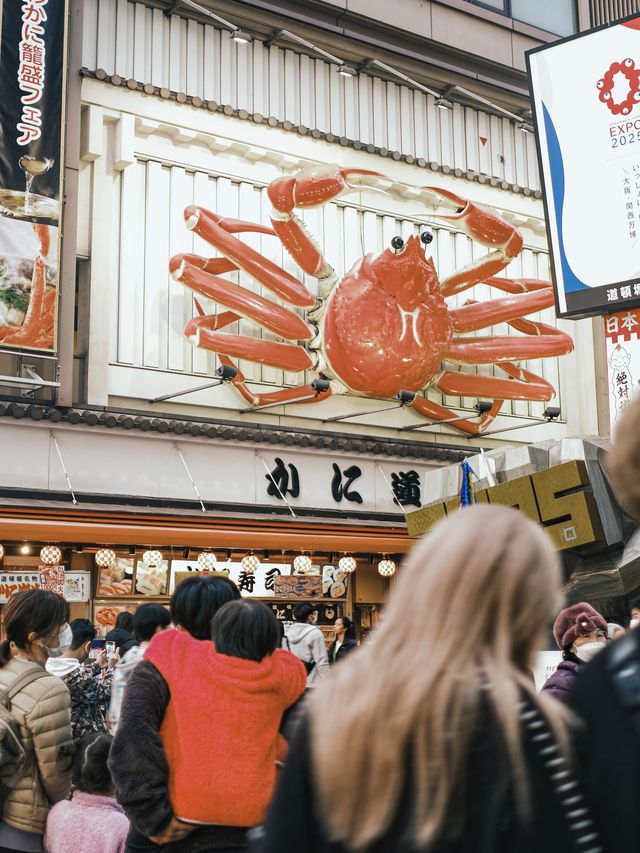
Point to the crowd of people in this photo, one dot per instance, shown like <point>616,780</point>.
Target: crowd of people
<point>209,729</point>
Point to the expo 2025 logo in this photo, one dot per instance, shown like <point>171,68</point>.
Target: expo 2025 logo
<point>620,87</point>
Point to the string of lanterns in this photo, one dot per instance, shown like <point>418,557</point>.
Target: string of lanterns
<point>51,555</point>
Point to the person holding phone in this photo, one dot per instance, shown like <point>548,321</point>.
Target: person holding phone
<point>89,683</point>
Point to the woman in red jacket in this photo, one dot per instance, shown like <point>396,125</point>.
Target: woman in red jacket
<point>224,716</point>
<point>197,742</point>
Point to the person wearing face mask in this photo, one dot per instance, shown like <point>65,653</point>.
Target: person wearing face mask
<point>581,632</point>
<point>306,642</point>
<point>634,612</point>
<point>89,683</point>
<point>33,622</point>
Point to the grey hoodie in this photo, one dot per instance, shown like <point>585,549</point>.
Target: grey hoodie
<point>306,642</point>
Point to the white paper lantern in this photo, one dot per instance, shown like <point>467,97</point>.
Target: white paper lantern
<point>386,568</point>
<point>1,551</point>
<point>207,561</point>
<point>152,559</point>
<point>51,555</point>
<point>250,564</point>
<point>347,564</point>
<point>105,557</point>
<point>302,564</point>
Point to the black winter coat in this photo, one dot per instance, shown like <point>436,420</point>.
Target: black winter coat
<point>560,823</point>
<point>608,750</point>
<point>343,651</point>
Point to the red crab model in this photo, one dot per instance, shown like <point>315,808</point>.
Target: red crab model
<point>383,328</point>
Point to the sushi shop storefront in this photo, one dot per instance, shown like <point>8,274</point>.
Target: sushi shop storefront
<point>111,516</point>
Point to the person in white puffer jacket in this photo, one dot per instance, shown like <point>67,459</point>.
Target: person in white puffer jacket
<point>306,642</point>
<point>149,619</point>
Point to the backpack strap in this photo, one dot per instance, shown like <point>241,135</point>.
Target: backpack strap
<point>23,681</point>
<point>624,669</point>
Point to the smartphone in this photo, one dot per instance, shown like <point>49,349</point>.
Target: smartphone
<point>97,646</point>
<point>110,649</point>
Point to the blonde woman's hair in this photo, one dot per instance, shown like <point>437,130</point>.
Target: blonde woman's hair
<point>470,610</point>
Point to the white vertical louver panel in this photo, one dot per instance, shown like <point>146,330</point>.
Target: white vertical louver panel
<point>106,36</point>
<point>90,34</point>
<point>180,302</point>
<point>132,277</point>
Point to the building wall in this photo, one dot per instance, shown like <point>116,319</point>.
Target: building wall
<point>147,153</point>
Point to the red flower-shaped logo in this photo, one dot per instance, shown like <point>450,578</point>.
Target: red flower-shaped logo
<point>606,85</point>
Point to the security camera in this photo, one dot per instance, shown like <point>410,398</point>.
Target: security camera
<point>320,385</point>
<point>483,406</point>
<point>405,397</point>
<point>552,413</point>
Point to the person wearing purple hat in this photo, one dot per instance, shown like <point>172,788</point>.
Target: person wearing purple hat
<point>581,632</point>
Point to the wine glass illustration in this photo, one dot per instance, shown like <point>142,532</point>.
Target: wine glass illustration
<point>33,167</point>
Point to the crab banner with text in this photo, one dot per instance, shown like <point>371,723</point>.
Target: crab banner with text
<point>32,73</point>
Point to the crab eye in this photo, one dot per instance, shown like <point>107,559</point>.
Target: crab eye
<point>397,244</point>
<point>426,237</point>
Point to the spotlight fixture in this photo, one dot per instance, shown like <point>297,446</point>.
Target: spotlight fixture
<point>320,385</point>
<point>250,564</point>
<point>347,564</point>
<point>25,549</point>
<point>152,558</point>
<point>386,568</point>
<point>132,550</point>
<point>51,555</point>
<point>550,415</point>
<point>526,127</point>
<point>346,70</point>
<point>405,397</point>
<point>241,36</point>
<point>105,557</point>
<point>483,406</point>
<point>226,372</point>
<point>302,564</point>
<point>207,561</point>
<point>444,103</point>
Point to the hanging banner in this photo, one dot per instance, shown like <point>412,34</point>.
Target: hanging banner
<point>586,97</point>
<point>32,68</point>
<point>622,335</point>
<point>19,581</point>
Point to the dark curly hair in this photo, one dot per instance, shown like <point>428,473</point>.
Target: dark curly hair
<point>90,772</point>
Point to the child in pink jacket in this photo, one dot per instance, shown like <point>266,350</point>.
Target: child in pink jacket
<point>91,821</point>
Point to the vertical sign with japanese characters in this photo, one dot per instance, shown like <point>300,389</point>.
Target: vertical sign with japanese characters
<point>622,334</point>
<point>32,68</point>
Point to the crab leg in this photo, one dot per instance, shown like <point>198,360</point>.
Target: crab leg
<point>286,356</point>
<point>479,315</point>
<point>500,348</point>
<point>281,321</point>
<point>310,187</point>
<point>219,321</point>
<point>527,387</point>
<point>488,228</point>
<point>436,412</point>
<point>216,231</point>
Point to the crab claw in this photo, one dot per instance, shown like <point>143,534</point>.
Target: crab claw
<point>488,228</point>
<point>315,185</point>
<point>481,223</point>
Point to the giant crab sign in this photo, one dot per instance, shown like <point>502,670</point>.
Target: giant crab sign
<point>385,326</point>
